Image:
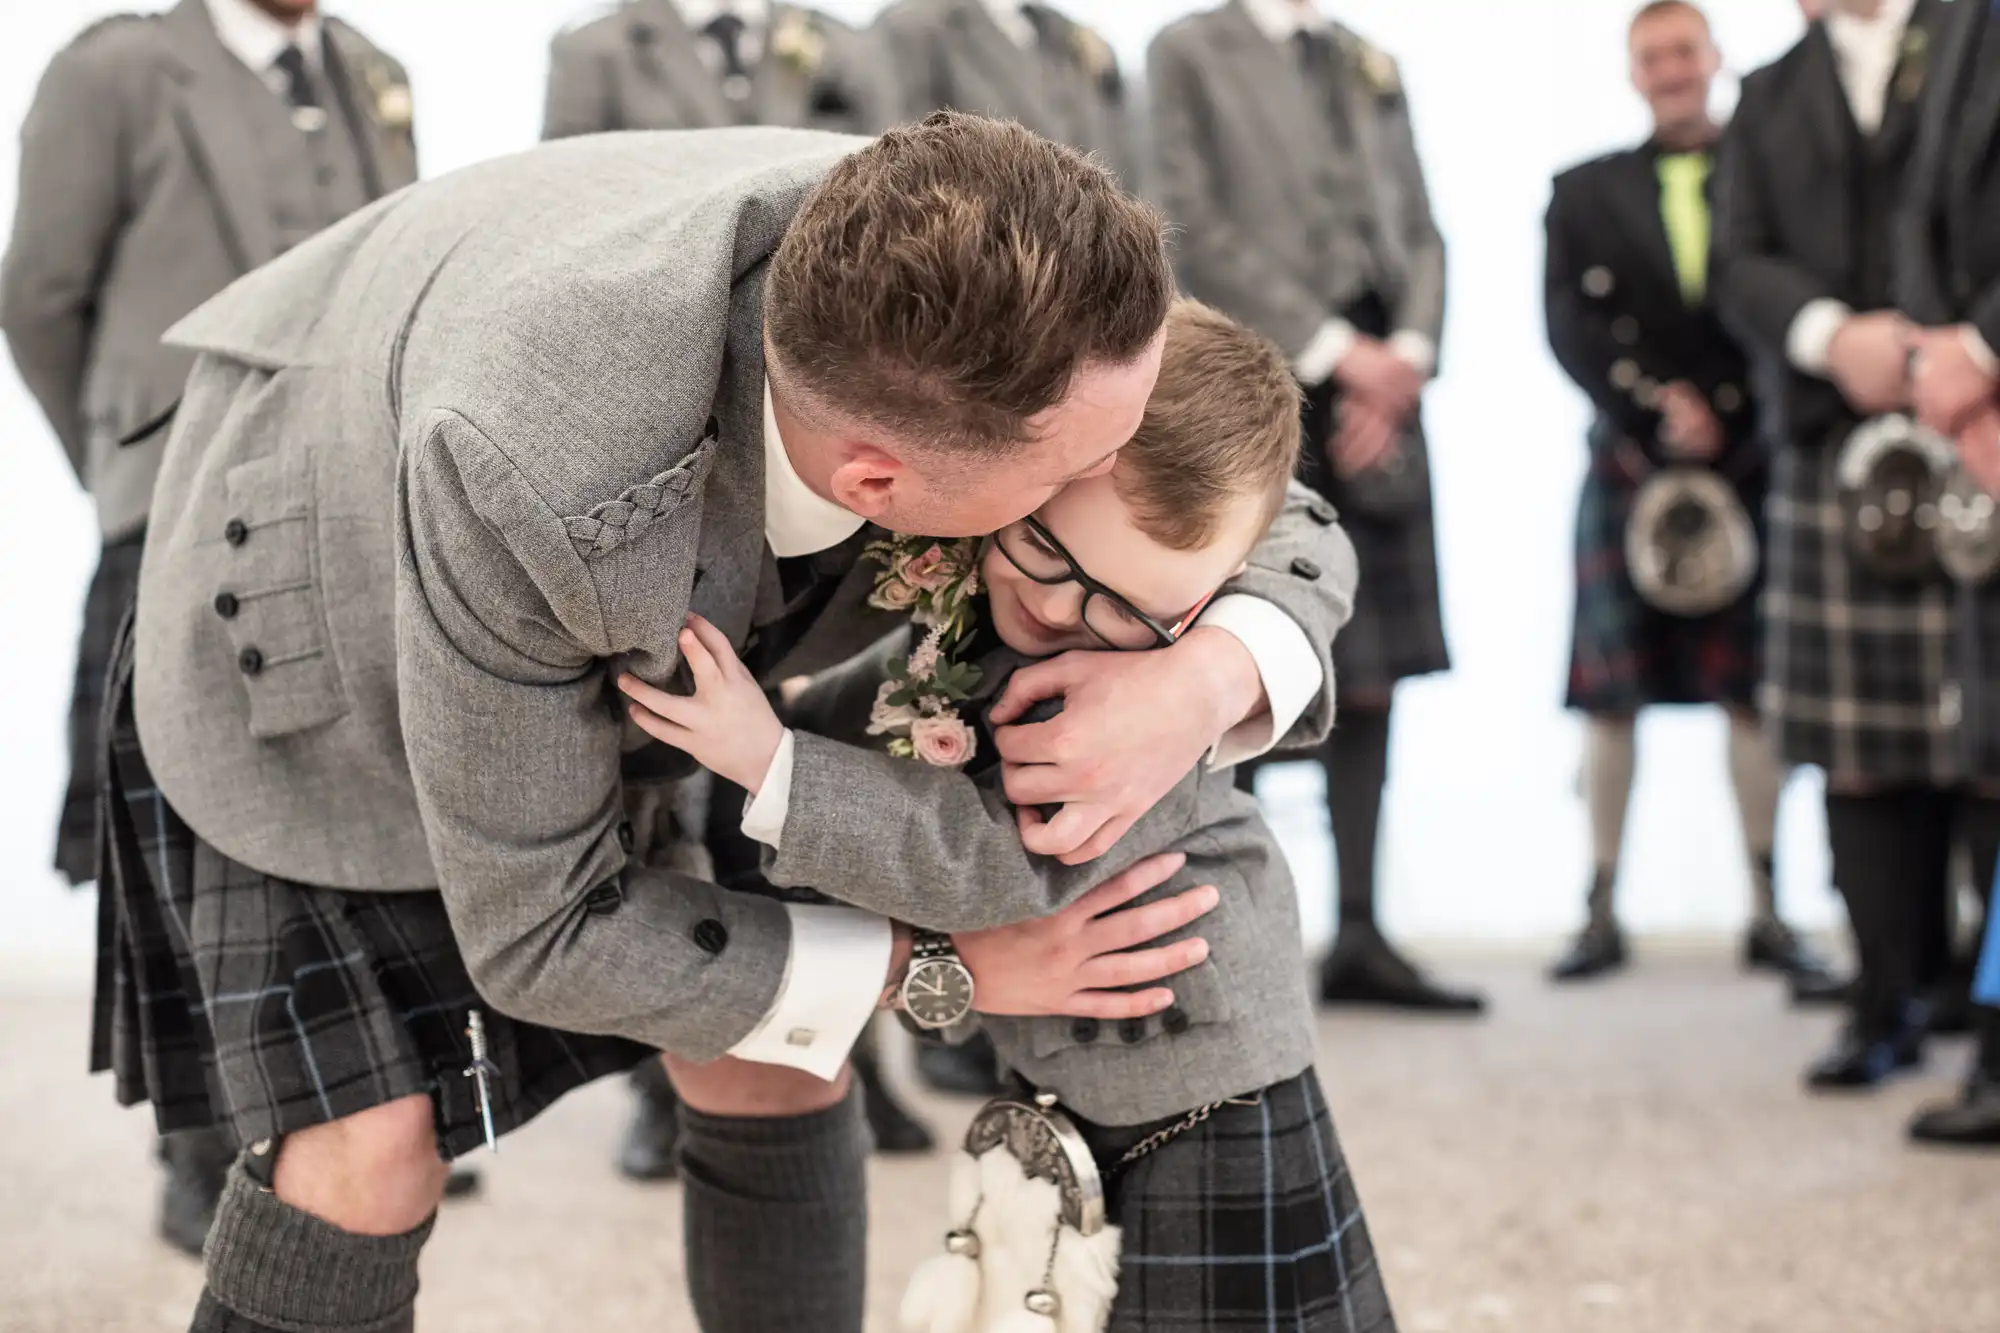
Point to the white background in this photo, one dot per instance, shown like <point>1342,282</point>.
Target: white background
<point>1486,836</point>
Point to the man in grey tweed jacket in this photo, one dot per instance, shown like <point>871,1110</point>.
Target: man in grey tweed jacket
<point>441,472</point>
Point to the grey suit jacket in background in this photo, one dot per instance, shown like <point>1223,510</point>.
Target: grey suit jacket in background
<point>939,848</point>
<point>139,199</point>
<point>459,460</point>
<point>1238,139</point>
<point>950,54</point>
<point>640,69</point>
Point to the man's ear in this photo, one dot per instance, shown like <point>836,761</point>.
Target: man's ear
<point>867,481</point>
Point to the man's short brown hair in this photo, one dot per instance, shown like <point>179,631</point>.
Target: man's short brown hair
<point>946,283</point>
<point>1222,424</point>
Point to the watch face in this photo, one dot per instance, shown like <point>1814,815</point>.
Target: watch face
<point>938,992</point>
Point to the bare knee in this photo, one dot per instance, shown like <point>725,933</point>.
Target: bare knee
<point>375,1173</point>
<point>731,1087</point>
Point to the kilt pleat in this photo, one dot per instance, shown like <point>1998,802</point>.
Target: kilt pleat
<point>1250,1221</point>
<point>1625,654</point>
<point>227,996</point>
<point>113,588</point>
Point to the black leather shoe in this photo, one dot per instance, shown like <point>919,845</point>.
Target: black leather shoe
<point>1858,1062</point>
<point>970,1070</point>
<point>1820,988</point>
<point>1971,1122</point>
<point>651,1140</point>
<point>462,1183</point>
<point>1599,948</point>
<point>1365,968</point>
<point>1775,947</point>
<point>896,1131</point>
<point>197,1161</point>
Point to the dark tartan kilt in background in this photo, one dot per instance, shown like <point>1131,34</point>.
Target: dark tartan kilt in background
<point>1860,673</point>
<point>226,996</point>
<point>1398,627</point>
<point>113,589</point>
<point>1625,654</point>
<point>1249,1221</point>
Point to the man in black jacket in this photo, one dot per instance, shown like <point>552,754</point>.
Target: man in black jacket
<point>1630,318</point>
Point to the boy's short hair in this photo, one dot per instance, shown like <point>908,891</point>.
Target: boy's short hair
<point>1223,422</point>
<point>946,283</point>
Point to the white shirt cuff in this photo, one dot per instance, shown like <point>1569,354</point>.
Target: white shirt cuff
<point>1286,663</point>
<point>1811,334</point>
<point>764,815</point>
<point>833,983</point>
<point>1416,348</point>
<point>1328,348</point>
<point>1980,351</point>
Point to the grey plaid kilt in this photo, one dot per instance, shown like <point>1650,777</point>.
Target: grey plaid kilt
<point>1626,654</point>
<point>1870,679</point>
<point>1398,626</point>
<point>113,588</point>
<point>226,996</point>
<point>1250,1221</point>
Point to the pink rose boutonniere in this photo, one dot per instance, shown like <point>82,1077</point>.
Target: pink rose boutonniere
<point>917,707</point>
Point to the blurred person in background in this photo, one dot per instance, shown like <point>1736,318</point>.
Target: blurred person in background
<point>1633,322</point>
<point>704,64</point>
<point>1947,268</point>
<point>163,156</point>
<point>1288,160</point>
<point>1859,660</point>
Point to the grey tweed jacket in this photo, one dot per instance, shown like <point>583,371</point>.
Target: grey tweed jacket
<point>439,473</point>
<point>639,68</point>
<point>139,199</point>
<point>1241,145</point>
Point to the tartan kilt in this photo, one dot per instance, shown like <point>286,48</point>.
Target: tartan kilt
<point>1866,677</point>
<point>113,588</point>
<point>1250,1221</point>
<point>1626,654</point>
<point>226,996</point>
<point>1397,630</point>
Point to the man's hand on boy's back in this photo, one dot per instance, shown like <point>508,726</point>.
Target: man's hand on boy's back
<point>1132,726</point>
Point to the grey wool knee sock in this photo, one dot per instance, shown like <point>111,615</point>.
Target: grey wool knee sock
<point>1609,757</point>
<point>273,1268</point>
<point>777,1220</point>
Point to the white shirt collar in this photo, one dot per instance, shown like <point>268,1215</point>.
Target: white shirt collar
<point>797,519</point>
<point>1867,51</point>
<point>1009,15</point>
<point>1281,20</point>
<point>257,39</point>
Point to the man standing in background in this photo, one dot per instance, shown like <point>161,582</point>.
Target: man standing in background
<point>164,156</point>
<point>704,64</point>
<point>1631,320</point>
<point>1948,282</point>
<point>1015,61</point>
<point>1288,160</point>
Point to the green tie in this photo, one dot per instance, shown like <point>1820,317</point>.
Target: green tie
<point>1684,208</point>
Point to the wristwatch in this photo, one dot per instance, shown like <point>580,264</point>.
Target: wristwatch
<point>937,989</point>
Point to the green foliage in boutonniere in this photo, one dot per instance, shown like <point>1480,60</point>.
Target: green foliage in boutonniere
<point>1377,67</point>
<point>917,707</point>
<point>1913,65</point>
<point>798,42</point>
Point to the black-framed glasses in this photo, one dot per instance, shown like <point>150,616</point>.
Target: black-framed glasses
<point>1031,548</point>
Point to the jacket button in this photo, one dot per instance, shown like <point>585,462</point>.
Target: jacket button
<point>250,661</point>
<point>1729,398</point>
<point>605,899</point>
<point>626,839</point>
<point>1625,330</point>
<point>711,936</point>
<point>1305,569</point>
<point>236,532</point>
<point>1132,1031</point>
<point>1083,1031</point>
<point>1176,1021</point>
<point>226,605</point>
<point>1323,513</point>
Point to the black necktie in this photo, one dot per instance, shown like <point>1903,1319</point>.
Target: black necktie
<point>806,590</point>
<point>726,31</point>
<point>298,87</point>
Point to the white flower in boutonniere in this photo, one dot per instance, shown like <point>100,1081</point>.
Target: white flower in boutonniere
<point>798,42</point>
<point>1377,66</point>
<point>1093,51</point>
<point>394,107</point>
<point>917,707</point>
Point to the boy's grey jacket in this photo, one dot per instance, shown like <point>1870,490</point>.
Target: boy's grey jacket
<point>938,848</point>
<point>143,194</point>
<point>454,462</point>
<point>1245,158</point>
<point>638,68</point>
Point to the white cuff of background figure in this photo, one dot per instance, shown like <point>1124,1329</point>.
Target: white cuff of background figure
<point>1328,348</point>
<point>1812,332</point>
<point>1417,349</point>
<point>1286,663</point>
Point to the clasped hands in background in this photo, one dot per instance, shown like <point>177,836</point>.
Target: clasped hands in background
<point>1881,362</point>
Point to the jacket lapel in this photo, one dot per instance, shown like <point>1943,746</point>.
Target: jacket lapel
<point>1274,85</point>
<point>663,48</point>
<point>209,106</point>
<point>974,37</point>
<point>781,86</point>
<point>357,101</point>
<point>1829,119</point>
<point>1972,102</point>
<point>1636,197</point>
